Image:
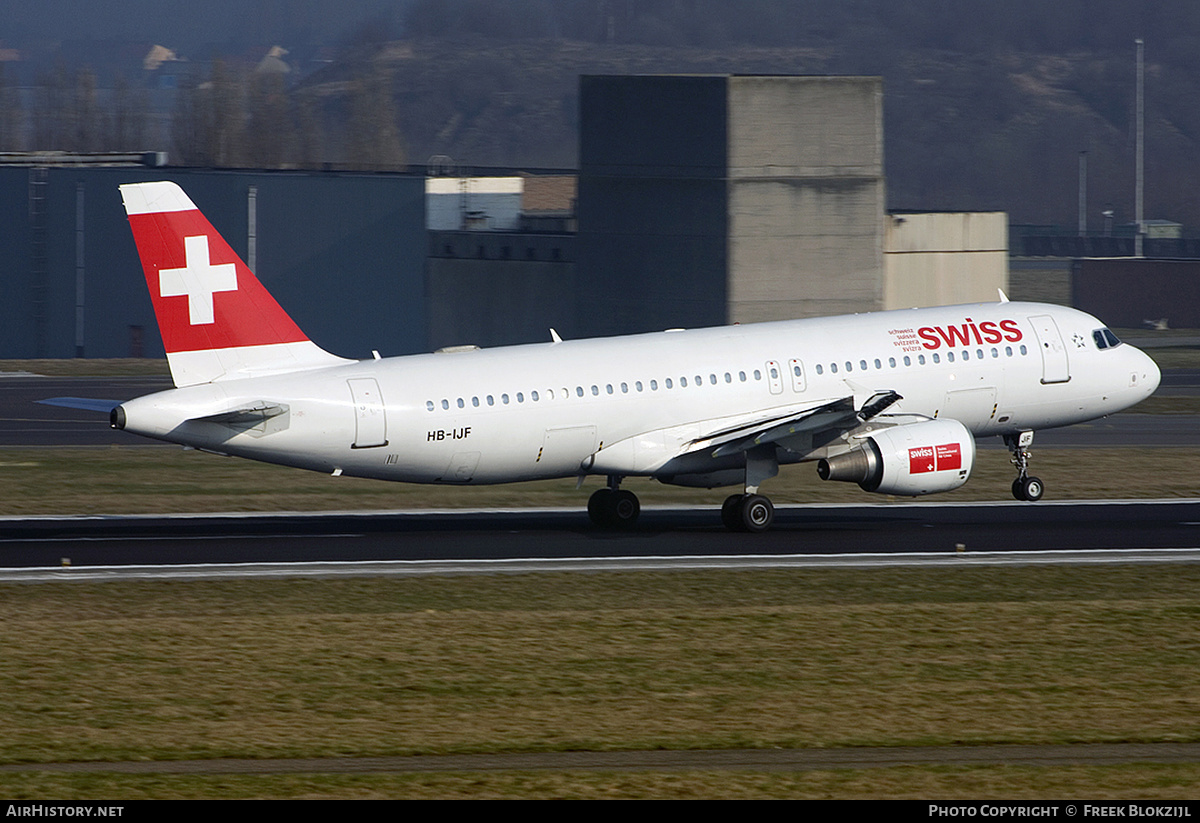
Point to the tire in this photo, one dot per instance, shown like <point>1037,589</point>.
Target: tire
<point>623,508</point>
<point>600,506</point>
<point>731,512</point>
<point>1033,489</point>
<point>757,513</point>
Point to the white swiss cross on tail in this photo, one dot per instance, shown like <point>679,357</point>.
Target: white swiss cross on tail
<point>198,280</point>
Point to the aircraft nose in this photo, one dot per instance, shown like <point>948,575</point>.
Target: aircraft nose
<point>1151,375</point>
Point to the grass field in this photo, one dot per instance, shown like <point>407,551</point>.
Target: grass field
<point>303,668</point>
<point>154,479</point>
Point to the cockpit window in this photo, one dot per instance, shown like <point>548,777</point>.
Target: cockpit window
<point>1105,339</point>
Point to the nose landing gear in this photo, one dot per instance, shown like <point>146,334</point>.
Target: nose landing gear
<point>1024,487</point>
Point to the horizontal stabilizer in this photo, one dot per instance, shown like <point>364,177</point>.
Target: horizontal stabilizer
<point>85,403</point>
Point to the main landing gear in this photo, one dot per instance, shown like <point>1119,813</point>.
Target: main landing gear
<point>747,513</point>
<point>1024,487</point>
<point>613,507</point>
<point>751,512</point>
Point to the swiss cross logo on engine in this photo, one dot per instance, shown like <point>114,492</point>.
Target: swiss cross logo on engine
<point>946,457</point>
<point>198,280</point>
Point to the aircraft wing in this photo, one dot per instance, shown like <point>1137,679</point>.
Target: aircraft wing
<point>795,431</point>
<point>694,447</point>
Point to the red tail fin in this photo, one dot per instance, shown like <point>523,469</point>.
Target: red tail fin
<point>216,319</point>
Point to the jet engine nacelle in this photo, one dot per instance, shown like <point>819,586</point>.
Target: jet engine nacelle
<point>913,459</point>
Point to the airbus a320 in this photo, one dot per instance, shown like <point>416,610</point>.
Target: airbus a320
<point>892,401</point>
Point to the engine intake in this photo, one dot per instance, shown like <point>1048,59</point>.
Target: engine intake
<point>914,459</point>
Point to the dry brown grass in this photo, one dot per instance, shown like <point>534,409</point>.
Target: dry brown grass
<point>546,662</point>
<point>154,479</point>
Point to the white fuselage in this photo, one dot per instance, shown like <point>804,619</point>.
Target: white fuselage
<point>631,405</point>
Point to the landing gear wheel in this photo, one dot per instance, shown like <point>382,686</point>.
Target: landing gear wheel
<point>1028,488</point>
<point>598,506</point>
<point>731,512</point>
<point>747,513</point>
<point>624,508</point>
<point>757,513</point>
<point>613,508</point>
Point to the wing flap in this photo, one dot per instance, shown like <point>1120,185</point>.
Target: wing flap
<point>798,428</point>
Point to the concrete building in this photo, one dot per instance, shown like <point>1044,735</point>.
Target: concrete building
<point>713,199</point>
<point>944,258</point>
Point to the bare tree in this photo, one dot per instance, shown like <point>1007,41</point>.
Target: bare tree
<point>373,140</point>
<point>11,115</point>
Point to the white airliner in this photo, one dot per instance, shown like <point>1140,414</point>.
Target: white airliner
<point>892,400</point>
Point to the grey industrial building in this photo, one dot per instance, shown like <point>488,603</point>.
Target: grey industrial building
<point>344,253</point>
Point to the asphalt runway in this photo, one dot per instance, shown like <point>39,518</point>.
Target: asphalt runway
<point>25,422</point>
<point>887,529</point>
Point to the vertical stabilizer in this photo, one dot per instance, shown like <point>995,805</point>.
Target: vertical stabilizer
<point>217,320</point>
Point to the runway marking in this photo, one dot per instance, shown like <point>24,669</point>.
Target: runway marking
<point>372,568</point>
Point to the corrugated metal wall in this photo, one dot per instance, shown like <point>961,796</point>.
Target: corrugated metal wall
<point>344,254</point>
